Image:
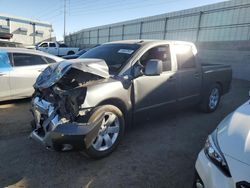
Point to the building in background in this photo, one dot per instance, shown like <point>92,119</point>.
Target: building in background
<point>221,32</point>
<point>25,31</point>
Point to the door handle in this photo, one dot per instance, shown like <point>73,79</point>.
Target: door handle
<point>40,70</point>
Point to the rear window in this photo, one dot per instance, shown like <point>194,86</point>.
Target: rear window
<point>115,55</point>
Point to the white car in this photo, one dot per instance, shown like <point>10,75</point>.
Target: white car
<point>225,160</point>
<point>57,49</point>
<point>19,69</point>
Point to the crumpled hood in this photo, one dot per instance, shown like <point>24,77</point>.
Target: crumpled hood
<point>55,72</point>
<point>234,134</point>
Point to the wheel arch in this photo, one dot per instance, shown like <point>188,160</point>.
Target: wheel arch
<point>70,52</point>
<point>221,86</point>
<point>122,106</point>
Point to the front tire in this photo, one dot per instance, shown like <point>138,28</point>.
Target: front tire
<point>211,100</point>
<point>110,133</point>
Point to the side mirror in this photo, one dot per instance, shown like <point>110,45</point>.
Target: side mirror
<point>153,67</point>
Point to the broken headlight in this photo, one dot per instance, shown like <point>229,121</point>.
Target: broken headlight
<point>214,154</point>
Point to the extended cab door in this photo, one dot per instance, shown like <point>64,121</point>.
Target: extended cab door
<point>5,68</point>
<point>64,50</point>
<point>189,74</point>
<point>156,92</point>
<point>26,68</point>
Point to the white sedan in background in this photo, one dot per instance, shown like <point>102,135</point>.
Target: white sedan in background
<point>225,160</point>
<point>19,69</point>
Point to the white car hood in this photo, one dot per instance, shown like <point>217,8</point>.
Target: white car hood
<point>234,134</point>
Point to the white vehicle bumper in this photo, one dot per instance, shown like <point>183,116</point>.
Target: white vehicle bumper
<point>210,175</point>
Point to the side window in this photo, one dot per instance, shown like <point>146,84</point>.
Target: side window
<point>52,45</point>
<point>184,55</point>
<point>49,60</point>
<point>160,52</point>
<point>44,45</point>
<point>27,59</point>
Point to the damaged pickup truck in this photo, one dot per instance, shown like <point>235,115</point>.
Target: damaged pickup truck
<point>87,103</point>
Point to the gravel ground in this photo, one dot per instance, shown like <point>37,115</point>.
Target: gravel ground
<point>159,152</point>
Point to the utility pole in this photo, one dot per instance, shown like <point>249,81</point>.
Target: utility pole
<point>64,33</point>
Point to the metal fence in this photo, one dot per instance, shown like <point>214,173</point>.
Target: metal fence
<point>226,21</point>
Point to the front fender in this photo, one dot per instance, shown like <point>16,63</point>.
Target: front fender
<point>112,89</point>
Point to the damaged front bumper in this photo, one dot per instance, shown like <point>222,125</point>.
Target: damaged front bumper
<point>55,132</point>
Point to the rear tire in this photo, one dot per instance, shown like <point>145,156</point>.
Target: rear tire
<point>211,100</point>
<point>71,53</point>
<point>110,133</point>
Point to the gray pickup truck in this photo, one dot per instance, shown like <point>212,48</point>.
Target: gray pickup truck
<point>87,103</point>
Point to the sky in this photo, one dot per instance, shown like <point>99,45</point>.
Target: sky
<point>82,14</point>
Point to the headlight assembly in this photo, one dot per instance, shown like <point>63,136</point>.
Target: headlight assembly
<point>214,153</point>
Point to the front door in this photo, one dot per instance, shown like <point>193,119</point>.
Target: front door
<point>156,92</point>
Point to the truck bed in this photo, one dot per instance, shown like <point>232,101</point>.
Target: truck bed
<point>211,66</point>
<point>217,73</point>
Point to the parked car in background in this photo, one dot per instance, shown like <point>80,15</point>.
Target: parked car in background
<point>30,47</point>
<point>5,43</point>
<point>56,48</point>
<point>74,56</point>
<point>121,80</point>
<point>19,68</point>
<point>225,159</point>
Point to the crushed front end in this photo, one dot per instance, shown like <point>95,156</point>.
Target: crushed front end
<point>60,122</point>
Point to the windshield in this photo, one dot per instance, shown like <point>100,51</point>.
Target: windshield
<point>115,55</point>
